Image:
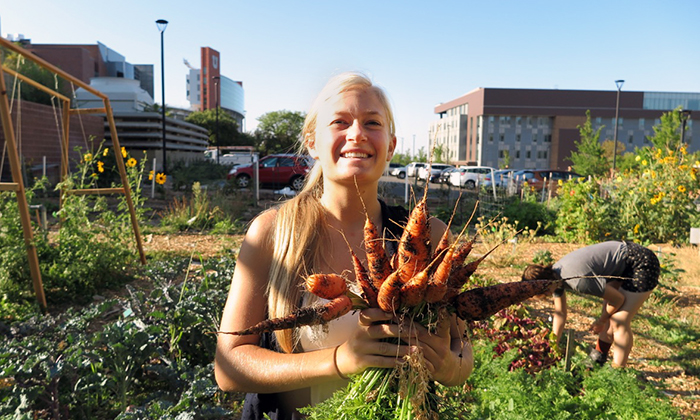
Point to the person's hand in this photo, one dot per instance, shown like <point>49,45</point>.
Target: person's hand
<point>366,348</point>
<point>440,361</point>
<point>597,326</point>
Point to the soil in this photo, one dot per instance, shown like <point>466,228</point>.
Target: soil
<point>648,356</point>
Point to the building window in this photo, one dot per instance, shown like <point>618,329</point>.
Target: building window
<point>490,138</point>
<point>529,121</point>
<point>641,123</point>
<point>547,138</point>
<point>534,138</point>
<point>517,137</point>
<point>517,154</point>
<point>630,140</point>
<point>503,138</point>
<point>490,119</point>
<point>527,155</point>
<point>518,120</point>
<point>501,154</point>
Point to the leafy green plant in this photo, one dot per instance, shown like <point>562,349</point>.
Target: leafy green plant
<point>543,257</point>
<point>197,213</point>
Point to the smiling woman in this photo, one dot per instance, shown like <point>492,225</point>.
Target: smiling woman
<point>350,132</point>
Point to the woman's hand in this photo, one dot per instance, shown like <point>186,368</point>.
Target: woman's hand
<point>440,360</point>
<point>366,348</point>
<point>599,325</point>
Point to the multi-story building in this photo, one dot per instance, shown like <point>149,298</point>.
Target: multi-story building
<point>538,128</point>
<point>206,88</point>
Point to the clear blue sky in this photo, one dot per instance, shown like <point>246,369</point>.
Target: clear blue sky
<point>422,52</point>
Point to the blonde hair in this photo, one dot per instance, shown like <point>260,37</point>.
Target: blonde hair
<point>300,229</point>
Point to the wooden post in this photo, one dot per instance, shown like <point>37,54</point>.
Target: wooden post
<point>569,349</point>
<point>22,204</point>
<point>125,180</point>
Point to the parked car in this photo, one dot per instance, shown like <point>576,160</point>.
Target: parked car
<point>445,175</point>
<point>500,178</point>
<point>412,168</point>
<point>432,172</point>
<point>469,176</point>
<point>278,170</point>
<point>391,166</point>
<point>535,178</point>
<point>399,172</point>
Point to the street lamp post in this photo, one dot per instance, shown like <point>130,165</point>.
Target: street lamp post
<point>216,92</point>
<point>618,83</point>
<point>162,24</point>
<point>685,115</point>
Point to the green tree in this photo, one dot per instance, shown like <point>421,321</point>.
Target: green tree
<point>35,72</point>
<point>506,160</point>
<point>589,157</point>
<point>155,107</point>
<point>227,129</point>
<point>667,134</point>
<point>278,131</point>
<point>609,150</point>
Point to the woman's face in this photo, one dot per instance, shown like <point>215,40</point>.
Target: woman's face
<point>352,137</point>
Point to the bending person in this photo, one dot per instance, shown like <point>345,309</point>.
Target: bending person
<point>595,270</point>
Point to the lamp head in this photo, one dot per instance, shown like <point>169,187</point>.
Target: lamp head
<point>619,83</point>
<point>161,24</point>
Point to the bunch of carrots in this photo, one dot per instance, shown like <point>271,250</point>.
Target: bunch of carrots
<point>415,283</point>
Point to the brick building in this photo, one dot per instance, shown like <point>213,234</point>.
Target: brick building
<point>537,128</point>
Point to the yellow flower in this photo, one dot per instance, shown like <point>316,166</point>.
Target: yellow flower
<point>697,163</point>
<point>560,182</point>
<point>644,162</point>
<point>654,200</point>
<point>87,157</point>
<point>131,162</point>
<point>105,152</point>
<point>123,152</point>
<point>638,158</point>
<point>683,149</point>
<point>100,166</point>
<point>636,228</point>
<point>94,175</point>
<point>681,188</point>
<point>150,176</point>
<point>161,178</point>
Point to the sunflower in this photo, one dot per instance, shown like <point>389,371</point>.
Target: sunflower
<point>131,162</point>
<point>124,153</point>
<point>106,151</point>
<point>100,166</point>
<point>161,178</point>
<point>87,157</point>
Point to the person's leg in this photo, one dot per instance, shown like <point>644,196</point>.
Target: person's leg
<point>620,324</point>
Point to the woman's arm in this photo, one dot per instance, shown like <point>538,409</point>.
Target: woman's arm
<point>612,301</point>
<point>240,364</point>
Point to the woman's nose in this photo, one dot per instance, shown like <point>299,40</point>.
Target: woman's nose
<point>356,132</point>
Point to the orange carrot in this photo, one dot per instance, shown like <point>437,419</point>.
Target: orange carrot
<point>480,303</point>
<point>369,292</point>
<point>327,286</point>
<point>377,262</point>
<point>310,315</point>
<point>414,246</point>
<point>389,294</point>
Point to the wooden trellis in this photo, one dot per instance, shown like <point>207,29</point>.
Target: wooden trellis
<point>17,184</point>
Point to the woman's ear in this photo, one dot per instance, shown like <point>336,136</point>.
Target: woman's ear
<point>392,148</point>
<point>311,146</point>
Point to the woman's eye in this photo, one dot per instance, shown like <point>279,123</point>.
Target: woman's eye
<point>339,122</point>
